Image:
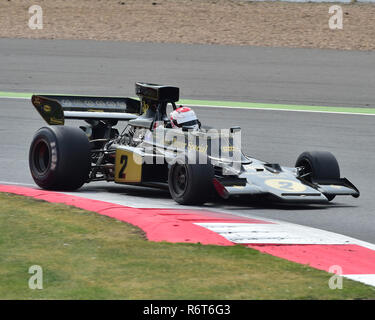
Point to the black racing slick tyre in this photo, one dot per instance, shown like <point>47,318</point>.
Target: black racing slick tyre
<point>191,184</point>
<point>319,166</point>
<point>59,158</point>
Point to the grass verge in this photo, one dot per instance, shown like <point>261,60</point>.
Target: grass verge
<point>88,256</point>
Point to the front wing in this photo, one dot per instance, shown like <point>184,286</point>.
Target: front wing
<point>287,187</point>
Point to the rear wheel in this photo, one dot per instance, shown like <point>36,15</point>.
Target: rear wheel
<point>59,158</point>
<point>191,183</point>
<point>319,166</point>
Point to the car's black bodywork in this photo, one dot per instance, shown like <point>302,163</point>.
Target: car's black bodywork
<point>137,155</point>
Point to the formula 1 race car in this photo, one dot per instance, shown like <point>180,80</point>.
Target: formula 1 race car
<point>151,152</point>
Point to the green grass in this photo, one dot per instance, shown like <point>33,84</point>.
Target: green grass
<point>88,256</point>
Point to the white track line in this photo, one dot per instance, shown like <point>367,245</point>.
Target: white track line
<point>280,232</point>
<point>19,98</point>
<point>244,108</point>
<point>276,109</point>
<point>368,279</point>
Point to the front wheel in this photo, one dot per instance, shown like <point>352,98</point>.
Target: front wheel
<point>191,183</point>
<point>319,166</point>
<point>59,158</point>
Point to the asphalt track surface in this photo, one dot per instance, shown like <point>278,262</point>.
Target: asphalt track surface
<point>274,75</point>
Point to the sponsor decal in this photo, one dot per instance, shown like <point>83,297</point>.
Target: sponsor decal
<point>285,185</point>
<point>47,108</point>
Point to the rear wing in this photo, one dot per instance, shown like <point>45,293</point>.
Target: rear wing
<point>54,109</point>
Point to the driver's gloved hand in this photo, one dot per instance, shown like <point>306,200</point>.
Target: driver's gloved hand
<point>167,124</point>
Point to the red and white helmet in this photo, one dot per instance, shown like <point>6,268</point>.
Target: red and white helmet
<point>184,117</point>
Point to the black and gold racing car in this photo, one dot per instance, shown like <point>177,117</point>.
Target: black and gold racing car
<point>148,151</point>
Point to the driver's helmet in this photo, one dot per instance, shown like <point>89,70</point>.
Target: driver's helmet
<point>184,117</point>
